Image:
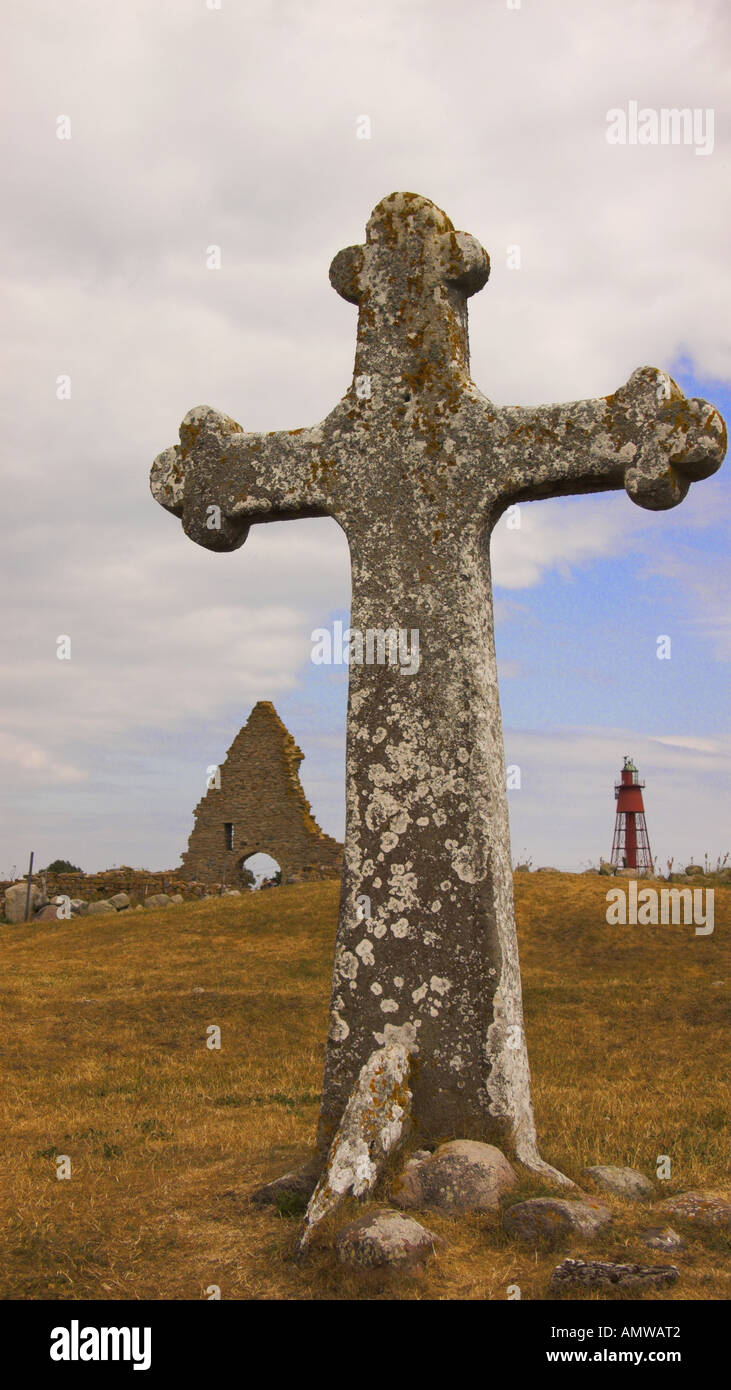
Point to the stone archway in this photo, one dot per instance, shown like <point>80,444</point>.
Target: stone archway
<point>262,866</point>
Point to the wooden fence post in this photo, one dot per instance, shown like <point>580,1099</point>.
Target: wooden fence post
<point>30,882</point>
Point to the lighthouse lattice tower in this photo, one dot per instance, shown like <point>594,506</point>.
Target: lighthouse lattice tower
<point>631,845</point>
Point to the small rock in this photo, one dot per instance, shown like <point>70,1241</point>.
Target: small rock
<point>49,913</point>
<point>662,1238</point>
<point>97,909</point>
<point>384,1238</point>
<point>553,1218</point>
<point>177,898</point>
<point>622,1182</point>
<point>546,869</point>
<point>301,1182</point>
<point>462,1175</point>
<point>597,1274</point>
<point>709,1210</point>
<point>693,869</point>
<point>120,901</point>
<point>407,1190</point>
<point>374,1124</point>
<point>157,900</point>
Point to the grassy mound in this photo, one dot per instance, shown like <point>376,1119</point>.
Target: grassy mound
<point>106,1030</point>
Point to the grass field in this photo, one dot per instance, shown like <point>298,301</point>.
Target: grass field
<point>104,1034</point>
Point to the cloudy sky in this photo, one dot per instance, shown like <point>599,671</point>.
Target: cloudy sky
<point>238,127</point>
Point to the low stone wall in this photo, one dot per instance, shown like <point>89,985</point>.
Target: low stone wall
<point>138,887</point>
<point>95,887</point>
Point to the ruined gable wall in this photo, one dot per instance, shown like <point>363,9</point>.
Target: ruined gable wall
<point>261,795</point>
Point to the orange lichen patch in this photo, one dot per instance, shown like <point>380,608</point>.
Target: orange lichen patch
<point>324,468</point>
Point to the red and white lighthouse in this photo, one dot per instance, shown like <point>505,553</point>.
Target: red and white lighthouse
<point>631,845</point>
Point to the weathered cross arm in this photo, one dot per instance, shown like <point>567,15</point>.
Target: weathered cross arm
<point>220,479</point>
<point>647,437</point>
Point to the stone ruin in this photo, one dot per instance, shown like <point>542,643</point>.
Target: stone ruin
<point>259,808</point>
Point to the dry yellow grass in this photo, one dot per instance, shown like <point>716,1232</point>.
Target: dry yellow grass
<point>104,1033</point>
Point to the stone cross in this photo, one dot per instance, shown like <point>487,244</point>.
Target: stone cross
<point>417,466</point>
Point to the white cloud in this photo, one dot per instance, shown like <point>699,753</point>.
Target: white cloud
<point>694,745</point>
<point>237,127</point>
<point>559,537</point>
<point>24,759</point>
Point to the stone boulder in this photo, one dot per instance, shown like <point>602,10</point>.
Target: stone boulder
<point>620,1182</point>
<point>299,1183</point>
<point>177,898</point>
<point>552,1219</point>
<point>692,870</point>
<point>374,1124</point>
<point>662,1238</point>
<point>49,913</point>
<point>120,901</point>
<point>157,900</point>
<point>15,901</point>
<point>709,1211</point>
<point>462,1175</point>
<point>98,909</point>
<point>599,1274</point>
<point>384,1238</point>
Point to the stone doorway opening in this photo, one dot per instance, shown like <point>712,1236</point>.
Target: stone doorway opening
<point>260,870</point>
